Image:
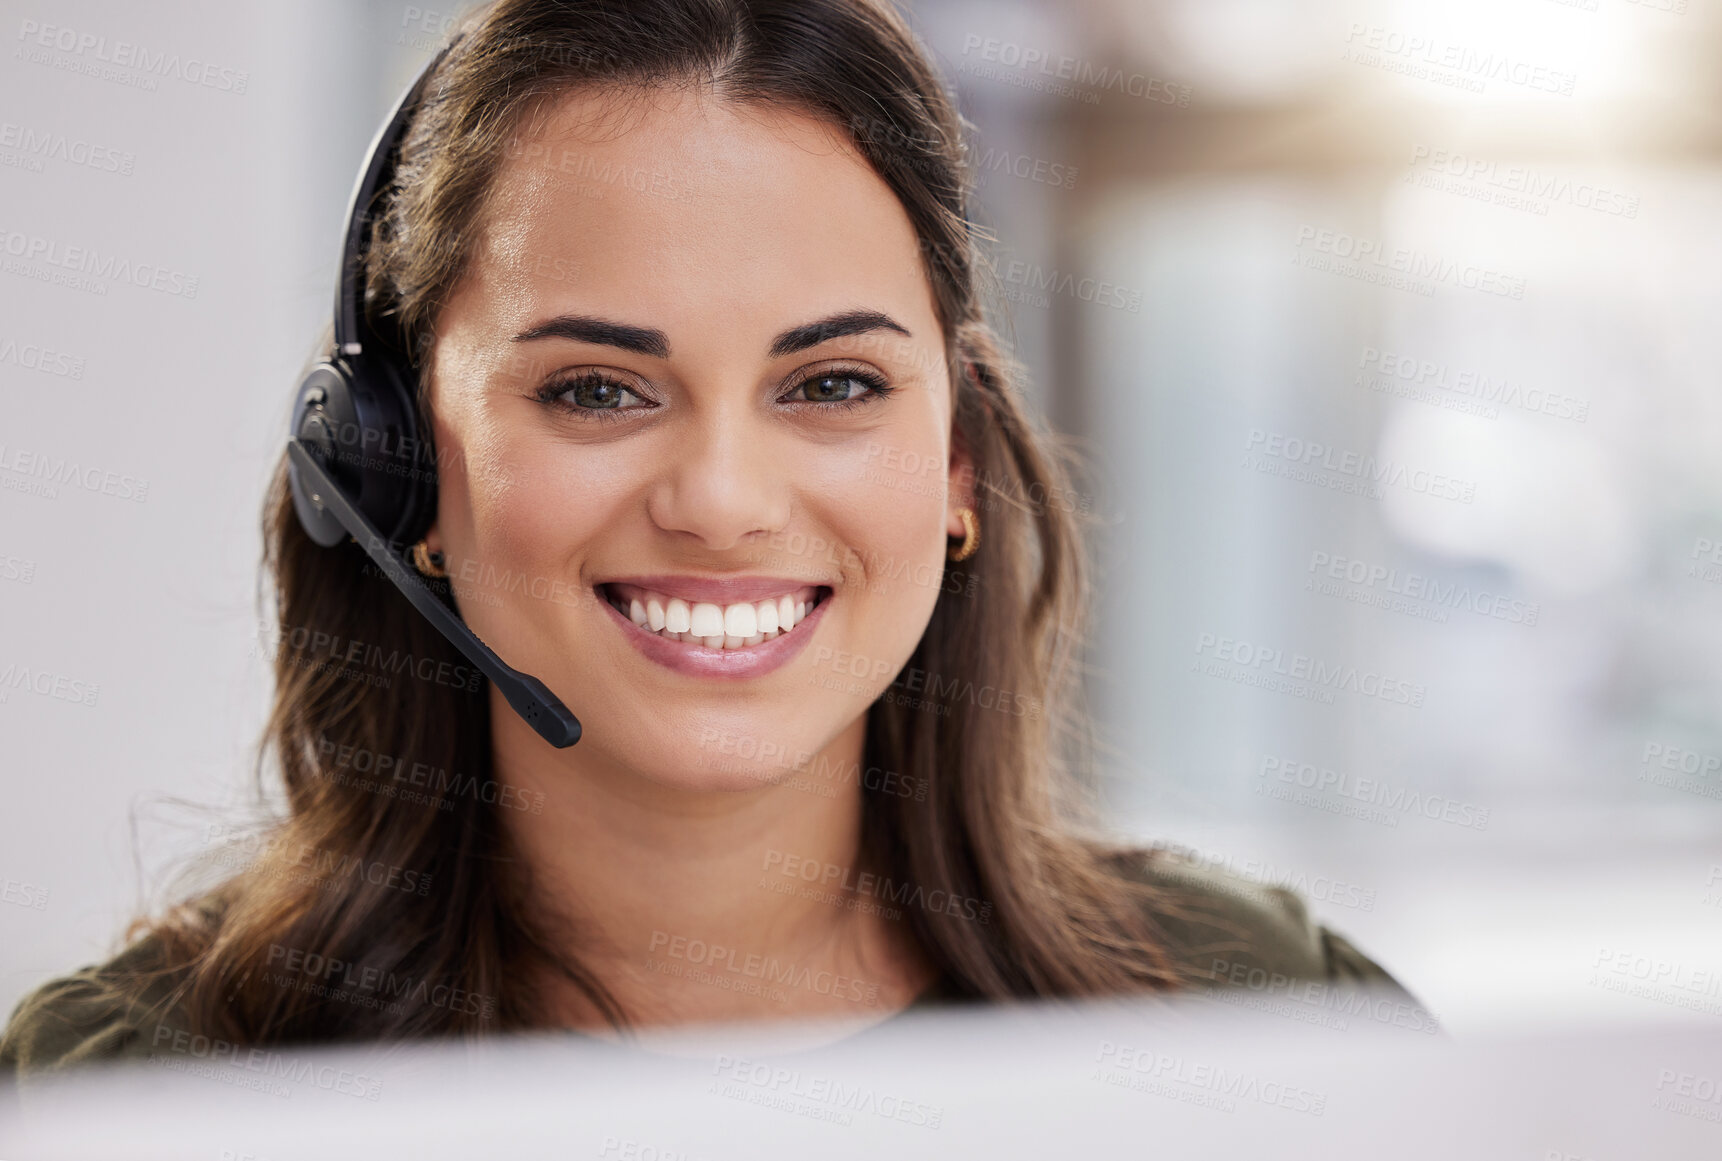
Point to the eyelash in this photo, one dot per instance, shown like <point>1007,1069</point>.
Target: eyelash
<point>552,392</point>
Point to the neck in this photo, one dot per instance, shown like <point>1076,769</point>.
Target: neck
<point>705,905</point>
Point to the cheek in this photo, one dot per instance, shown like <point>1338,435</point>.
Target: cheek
<point>886,534</point>
<point>535,501</point>
<point>897,513</point>
<point>520,516</point>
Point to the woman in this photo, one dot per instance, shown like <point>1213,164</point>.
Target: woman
<point>729,459</point>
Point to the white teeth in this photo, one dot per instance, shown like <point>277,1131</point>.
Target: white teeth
<point>740,621</point>
<point>707,620</point>
<point>676,618</point>
<point>716,626</point>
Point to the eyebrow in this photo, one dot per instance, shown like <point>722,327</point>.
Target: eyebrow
<point>586,329</point>
<point>651,341</point>
<point>850,322</point>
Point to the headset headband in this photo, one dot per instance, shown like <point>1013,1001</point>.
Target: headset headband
<point>353,331</point>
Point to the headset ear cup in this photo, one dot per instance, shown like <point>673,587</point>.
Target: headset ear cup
<point>407,499</point>
<point>321,408</point>
<point>363,426</point>
<point>358,411</point>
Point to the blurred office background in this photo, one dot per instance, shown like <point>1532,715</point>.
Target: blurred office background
<point>1253,253</point>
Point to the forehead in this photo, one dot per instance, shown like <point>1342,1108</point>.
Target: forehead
<point>671,205</point>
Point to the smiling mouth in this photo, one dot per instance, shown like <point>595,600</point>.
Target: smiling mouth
<point>738,625</point>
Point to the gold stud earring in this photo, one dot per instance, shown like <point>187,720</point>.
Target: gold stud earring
<point>427,562</point>
<point>971,536</point>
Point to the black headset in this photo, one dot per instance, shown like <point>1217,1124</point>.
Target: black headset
<point>360,461</point>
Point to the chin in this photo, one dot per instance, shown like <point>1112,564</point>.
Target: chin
<point>721,780</point>
<point>702,744</point>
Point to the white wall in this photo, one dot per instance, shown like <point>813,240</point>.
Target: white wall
<point>151,603</point>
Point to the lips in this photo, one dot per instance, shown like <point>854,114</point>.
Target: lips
<point>758,626</point>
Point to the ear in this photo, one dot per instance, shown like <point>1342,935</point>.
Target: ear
<point>433,537</point>
<point>960,483</point>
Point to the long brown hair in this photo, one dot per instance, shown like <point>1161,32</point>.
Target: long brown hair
<point>999,819</point>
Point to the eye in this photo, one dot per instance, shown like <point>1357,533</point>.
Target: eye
<point>590,391</point>
<point>845,387</point>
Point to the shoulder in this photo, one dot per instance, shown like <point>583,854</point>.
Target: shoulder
<point>113,1010</point>
<point>1226,930</point>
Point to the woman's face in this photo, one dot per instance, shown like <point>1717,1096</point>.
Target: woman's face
<point>694,373</point>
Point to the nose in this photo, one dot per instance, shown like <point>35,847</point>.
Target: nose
<point>722,481</point>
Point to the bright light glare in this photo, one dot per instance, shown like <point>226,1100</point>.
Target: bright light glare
<point>1515,50</point>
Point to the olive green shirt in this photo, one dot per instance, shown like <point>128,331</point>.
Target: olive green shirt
<point>1256,944</point>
